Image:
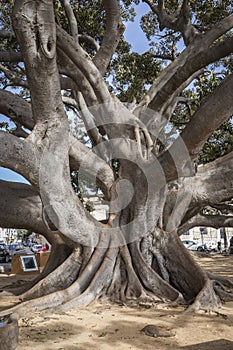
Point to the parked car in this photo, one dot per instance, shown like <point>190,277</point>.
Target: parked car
<point>192,245</point>
<point>4,254</point>
<point>12,247</point>
<point>3,245</point>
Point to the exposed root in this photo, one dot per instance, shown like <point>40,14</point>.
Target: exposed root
<point>101,279</point>
<point>224,295</point>
<point>222,280</point>
<point>60,252</point>
<point>59,279</point>
<point>82,292</point>
<point>206,300</point>
<point>150,279</point>
<point>123,276</point>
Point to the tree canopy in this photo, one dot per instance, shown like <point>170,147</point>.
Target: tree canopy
<point>152,131</point>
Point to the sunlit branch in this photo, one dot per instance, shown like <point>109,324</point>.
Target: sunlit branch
<point>114,30</point>
<point>19,156</point>
<point>71,18</point>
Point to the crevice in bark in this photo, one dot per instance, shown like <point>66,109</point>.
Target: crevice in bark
<point>150,279</point>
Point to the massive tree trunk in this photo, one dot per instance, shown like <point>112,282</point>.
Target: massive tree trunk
<point>136,256</point>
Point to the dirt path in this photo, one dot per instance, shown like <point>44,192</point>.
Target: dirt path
<point>106,327</point>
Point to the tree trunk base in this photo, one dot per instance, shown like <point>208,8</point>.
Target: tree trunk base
<point>122,275</point>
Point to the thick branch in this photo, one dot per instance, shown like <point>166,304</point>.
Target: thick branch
<point>19,111</point>
<point>216,221</point>
<point>10,56</point>
<point>16,108</point>
<point>63,211</point>
<point>21,207</point>
<point>38,45</point>
<point>84,63</point>
<point>197,55</point>
<point>19,156</point>
<point>212,184</point>
<point>88,120</point>
<point>82,84</point>
<point>110,112</point>
<point>212,113</point>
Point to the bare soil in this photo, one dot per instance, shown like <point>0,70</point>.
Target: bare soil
<point>109,326</point>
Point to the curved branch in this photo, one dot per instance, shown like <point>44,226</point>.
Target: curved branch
<point>81,83</point>
<point>212,184</point>
<point>89,40</point>
<point>16,108</point>
<point>88,120</point>
<point>19,156</point>
<point>71,18</point>
<point>84,63</point>
<point>212,113</point>
<point>110,110</point>
<point>20,112</point>
<point>21,207</point>
<point>216,221</point>
<point>197,55</point>
<point>180,21</point>
<point>114,30</point>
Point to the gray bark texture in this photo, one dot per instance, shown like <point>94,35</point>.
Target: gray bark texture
<point>136,255</point>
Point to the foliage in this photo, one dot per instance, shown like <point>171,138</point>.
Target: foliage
<point>221,141</point>
<point>132,74</point>
<point>218,144</point>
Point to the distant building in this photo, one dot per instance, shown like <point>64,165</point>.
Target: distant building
<point>8,235</point>
<point>100,207</point>
<point>207,235</point>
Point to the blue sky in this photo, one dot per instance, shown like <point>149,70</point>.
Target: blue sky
<point>133,32</point>
<point>135,36</point>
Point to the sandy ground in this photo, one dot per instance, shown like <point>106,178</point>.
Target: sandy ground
<point>106,327</point>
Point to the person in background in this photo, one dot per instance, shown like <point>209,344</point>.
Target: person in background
<point>219,246</point>
<point>231,246</point>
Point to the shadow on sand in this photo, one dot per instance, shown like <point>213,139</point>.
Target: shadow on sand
<point>220,344</point>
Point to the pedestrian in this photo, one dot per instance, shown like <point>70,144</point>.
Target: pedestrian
<point>231,246</point>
